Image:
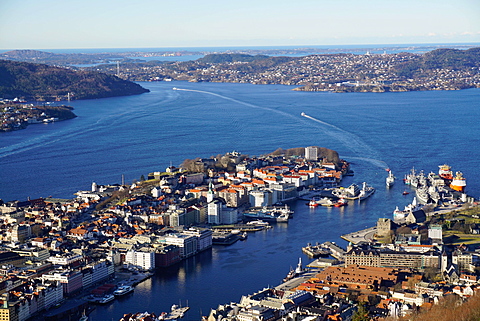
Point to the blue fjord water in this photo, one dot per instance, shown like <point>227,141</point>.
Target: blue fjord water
<point>139,134</point>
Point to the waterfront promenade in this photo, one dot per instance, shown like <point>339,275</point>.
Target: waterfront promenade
<point>365,235</point>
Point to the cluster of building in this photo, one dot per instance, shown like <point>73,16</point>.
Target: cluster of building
<point>55,249</point>
<point>15,115</point>
<point>414,271</point>
<point>332,72</point>
<point>395,268</point>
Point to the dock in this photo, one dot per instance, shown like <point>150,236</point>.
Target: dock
<point>176,313</point>
<point>336,251</point>
<point>314,251</point>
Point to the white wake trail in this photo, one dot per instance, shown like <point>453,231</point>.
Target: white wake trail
<point>238,102</point>
<point>352,141</point>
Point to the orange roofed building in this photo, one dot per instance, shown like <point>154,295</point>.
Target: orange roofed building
<point>352,277</point>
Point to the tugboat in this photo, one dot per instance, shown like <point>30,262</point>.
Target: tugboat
<point>341,202</point>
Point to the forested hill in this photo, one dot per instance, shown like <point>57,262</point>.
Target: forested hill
<point>43,82</point>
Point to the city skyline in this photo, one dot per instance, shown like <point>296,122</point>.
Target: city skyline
<point>34,24</point>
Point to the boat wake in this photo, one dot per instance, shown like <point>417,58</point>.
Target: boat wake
<point>239,102</point>
<point>351,141</point>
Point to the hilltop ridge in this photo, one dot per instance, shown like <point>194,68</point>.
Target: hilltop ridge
<point>42,82</point>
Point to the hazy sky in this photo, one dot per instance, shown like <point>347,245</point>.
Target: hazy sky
<point>61,24</point>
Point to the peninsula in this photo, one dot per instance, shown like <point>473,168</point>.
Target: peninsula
<point>56,250</point>
<point>38,82</point>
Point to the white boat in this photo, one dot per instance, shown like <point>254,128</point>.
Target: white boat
<point>106,299</point>
<point>366,191</point>
<point>390,179</point>
<point>259,223</point>
<point>124,289</point>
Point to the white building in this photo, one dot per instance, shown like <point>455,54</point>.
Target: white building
<point>64,259</point>
<point>311,153</point>
<point>143,259</point>
<point>186,243</point>
<point>203,235</point>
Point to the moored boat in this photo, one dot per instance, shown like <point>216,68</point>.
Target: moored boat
<point>458,182</point>
<point>445,172</point>
<point>106,299</point>
<point>341,202</point>
<point>124,289</point>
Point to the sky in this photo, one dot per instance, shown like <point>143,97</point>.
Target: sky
<point>73,24</point>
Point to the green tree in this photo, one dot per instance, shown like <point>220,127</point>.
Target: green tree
<point>362,313</point>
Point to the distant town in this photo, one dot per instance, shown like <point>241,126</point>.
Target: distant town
<point>327,70</point>
<point>72,253</point>
<point>333,72</point>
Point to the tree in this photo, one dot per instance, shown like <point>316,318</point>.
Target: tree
<point>361,314</point>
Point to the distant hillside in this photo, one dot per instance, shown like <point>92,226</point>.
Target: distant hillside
<point>222,58</point>
<point>43,82</point>
<point>453,59</point>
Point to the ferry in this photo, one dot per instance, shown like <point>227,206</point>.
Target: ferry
<point>350,193</point>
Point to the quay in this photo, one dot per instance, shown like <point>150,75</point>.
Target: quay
<point>240,227</point>
<point>365,235</point>
<point>336,251</point>
<point>314,251</point>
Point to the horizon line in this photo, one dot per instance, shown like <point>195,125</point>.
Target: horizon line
<point>259,46</point>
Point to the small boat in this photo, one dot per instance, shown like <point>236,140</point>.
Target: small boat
<point>124,289</point>
<point>84,317</point>
<point>390,179</point>
<point>405,193</point>
<point>341,202</point>
<point>106,299</point>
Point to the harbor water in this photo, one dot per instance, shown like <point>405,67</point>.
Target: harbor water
<point>135,135</point>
